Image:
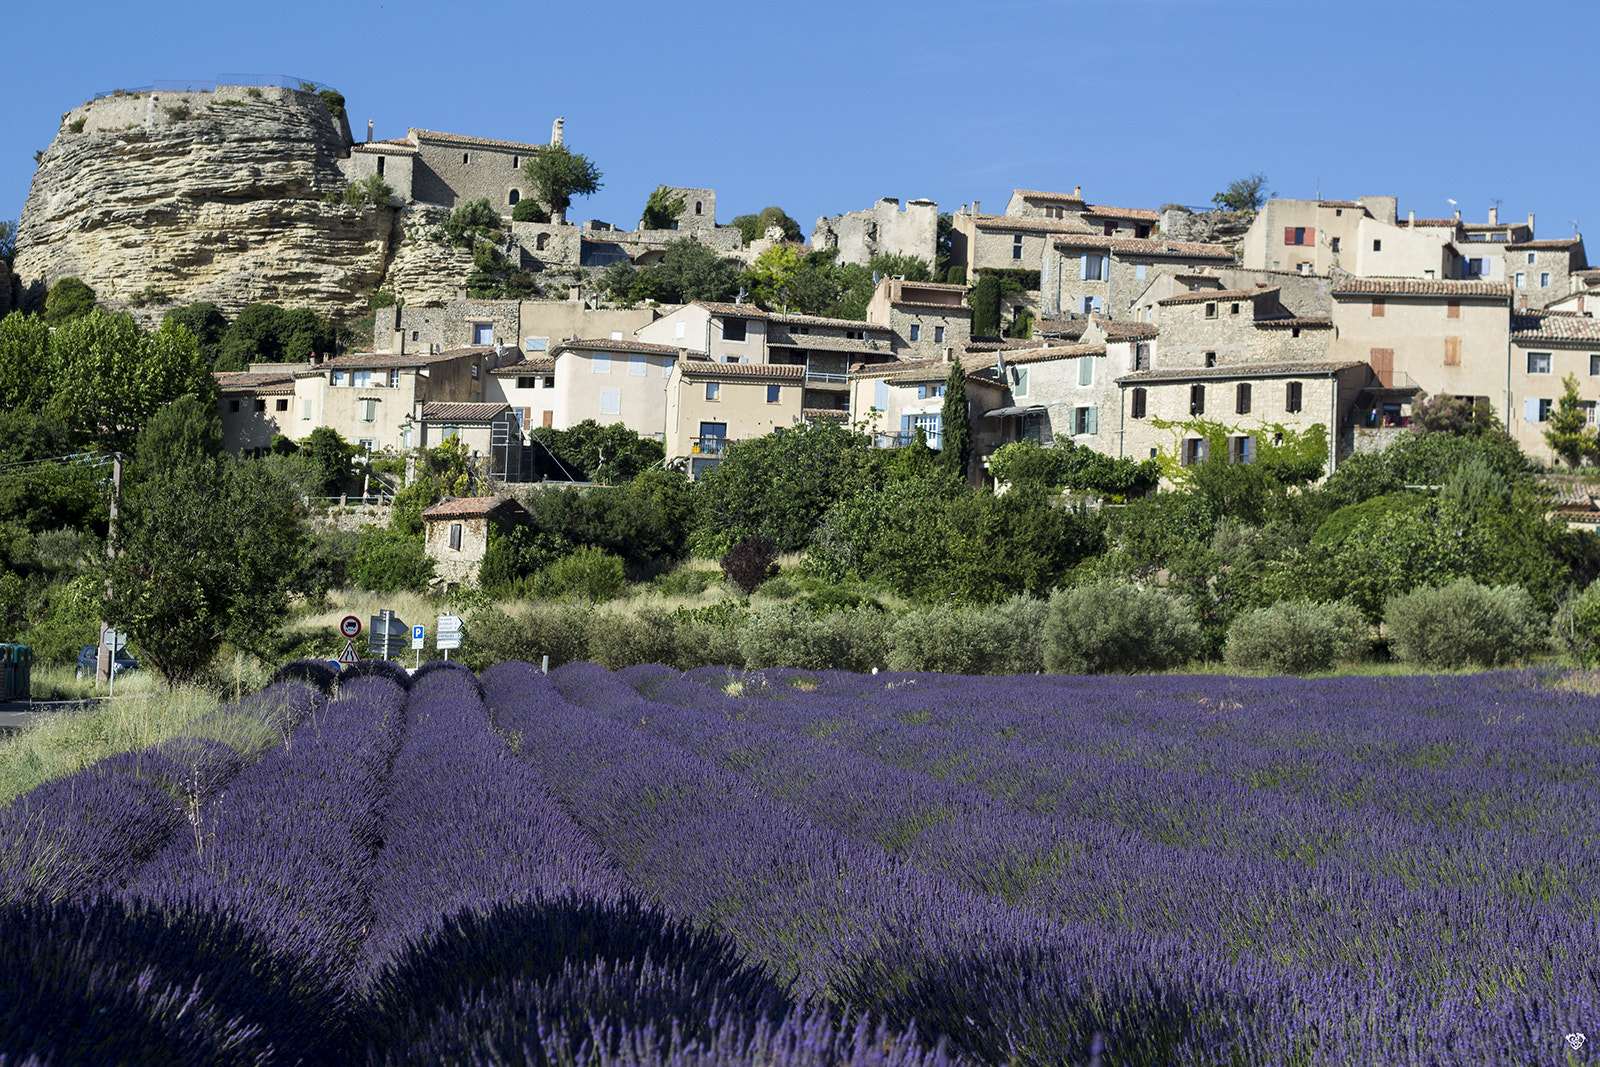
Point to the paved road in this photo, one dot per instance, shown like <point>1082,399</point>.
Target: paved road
<point>15,716</point>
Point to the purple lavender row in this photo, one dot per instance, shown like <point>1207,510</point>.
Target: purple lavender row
<point>286,851</point>
<point>873,933</point>
<point>91,830</point>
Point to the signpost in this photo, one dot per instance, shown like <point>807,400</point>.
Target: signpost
<point>416,642</point>
<point>116,641</point>
<point>349,654</point>
<point>447,634</point>
<point>350,626</point>
<point>386,635</point>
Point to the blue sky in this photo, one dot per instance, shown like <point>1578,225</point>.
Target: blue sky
<point>822,107</point>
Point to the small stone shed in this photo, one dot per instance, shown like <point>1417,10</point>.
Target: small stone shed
<point>456,534</point>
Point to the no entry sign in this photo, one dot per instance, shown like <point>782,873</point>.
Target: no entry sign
<point>350,626</point>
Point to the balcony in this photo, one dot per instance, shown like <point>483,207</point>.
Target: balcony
<point>904,440</point>
<point>710,446</point>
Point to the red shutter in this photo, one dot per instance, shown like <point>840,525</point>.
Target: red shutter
<point>1383,366</point>
<point>1288,235</point>
<point>1311,235</point>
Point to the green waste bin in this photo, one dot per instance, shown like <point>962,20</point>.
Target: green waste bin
<point>16,678</point>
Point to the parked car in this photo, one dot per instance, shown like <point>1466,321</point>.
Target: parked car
<point>89,659</point>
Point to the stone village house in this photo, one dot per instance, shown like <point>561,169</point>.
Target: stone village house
<point>455,534</point>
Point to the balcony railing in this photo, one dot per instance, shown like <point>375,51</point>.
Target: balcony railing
<point>904,440</point>
<point>825,376</point>
<point>710,446</point>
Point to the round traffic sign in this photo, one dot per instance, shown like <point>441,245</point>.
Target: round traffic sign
<point>350,626</point>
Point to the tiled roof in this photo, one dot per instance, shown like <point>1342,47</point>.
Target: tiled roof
<point>1552,244</point>
<point>825,344</point>
<point>1432,223</point>
<point>1047,355</point>
<point>1418,287</point>
<point>954,309</point>
<point>467,506</point>
<point>446,412</point>
<point>1209,296</point>
<point>1017,222</point>
<point>1007,344</point>
<point>974,366</point>
<point>831,414</point>
<point>1133,214</point>
<point>1550,328</point>
<point>883,370</point>
<point>606,344</point>
<point>536,365</point>
<point>1072,329</point>
<point>1035,194</point>
<point>471,142</point>
<point>365,360</point>
<point>705,368</point>
<point>743,311</point>
<point>1145,246</point>
<point>1339,203</point>
<point>1304,322</point>
<point>398,146</point>
<point>1127,329</point>
<point>1229,372</point>
<point>247,382</point>
<point>818,320</point>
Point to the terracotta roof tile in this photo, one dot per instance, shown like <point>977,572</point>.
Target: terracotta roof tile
<point>467,506</point>
<point>398,146</point>
<point>1128,330</point>
<point>1339,203</point>
<point>367,360</point>
<point>1145,246</point>
<point>1133,214</point>
<point>606,344</point>
<point>1048,355</point>
<point>1432,223</point>
<point>1552,244</point>
<point>1035,194</point>
<point>1551,327</point>
<point>536,365</point>
<point>825,344</point>
<point>883,370</point>
<point>258,382</point>
<point>1211,296</point>
<point>954,309</point>
<point>1228,372</point>
<point>1419,287</point>
<point>447,412</point>
<point>705,368</point>
<point>743,311</point>
<point>1018,222</point>
<point>471,142</point>
<point>1304,322</point>
<point>818,320</point>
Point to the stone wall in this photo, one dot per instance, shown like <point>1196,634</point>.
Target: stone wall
<point>1208,227</point>
<point>885,229</point>
<point>449,174</point>
<point>450,326</point>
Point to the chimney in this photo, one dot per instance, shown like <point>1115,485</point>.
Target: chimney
<point>974,207</point>
<point>1411,217</point>
<point>1494,216</point>
<point>1530,224</point>
<point>369,131</point>
<point>1077,191</point>
<point>1458,214</point>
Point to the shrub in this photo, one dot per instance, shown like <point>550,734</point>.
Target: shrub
<point>1297,637</point>
<point>1463,624</point>
<point>589,572</point>
<point>791,636</point>
<point>560,631</point>
<point>619,640</point>
<point>391,562</point>
<point>77,124</point>
<point>685,581</point>
<point>997,639</point>
<point>526,210</point>
<point>750,562</point>
<point>1117,627</point>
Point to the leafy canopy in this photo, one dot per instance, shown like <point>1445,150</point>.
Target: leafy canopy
<point>558,174</point>
<point>1244,194</point>
<point>662,209</point>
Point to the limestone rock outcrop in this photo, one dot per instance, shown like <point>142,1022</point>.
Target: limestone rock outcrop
<point>163,198</point>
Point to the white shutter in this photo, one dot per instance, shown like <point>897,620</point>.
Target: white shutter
<point>1530,409</point>
<point>1083,267</point>
<point>880,395</point>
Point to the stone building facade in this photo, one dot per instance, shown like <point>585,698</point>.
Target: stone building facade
<point>455,534</point>
<point>1210,328</point>
<point>926,320</point>
<point>1541,272</point>
<point>1545,348</point>
<point>711,405</point>
<point>531,325</point>
<point>450,169</point>
<point>886,228</point>
<point>1084,274</point>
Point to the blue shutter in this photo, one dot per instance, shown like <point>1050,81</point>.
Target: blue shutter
<point>1085,370</point>
<point>1083,267</point>
<point>880,395</point>
<point>905,424</point>
<point>1093,423</point>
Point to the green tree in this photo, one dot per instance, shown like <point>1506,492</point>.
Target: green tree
<point>661,210</point>
<point>754,227</point>
<point>558,174</point>
<point>255,336</point>
<point>25,381</point>
<point>8,241</point>
<point>1244,194</point>
<point>207,552</point>
<point>985,301</point>
<point>391,561</point>
<point>943,237</point>
<point>1568,433</point>
<point>187,431</point>
<point>472,221</point>
<point>111,377</point>
<point>770,276</point>
<point>332,456</point>
<point>208,325</point>
<point>690,271</point>
<point>529,210</point>
<point>592,452</point>
<point>67,299</point>
<point>955,423</point>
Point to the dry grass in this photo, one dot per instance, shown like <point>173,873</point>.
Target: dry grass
<point>412,607</point>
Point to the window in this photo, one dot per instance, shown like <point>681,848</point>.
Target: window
<point>1138,272</point>
<point>305,409</point>
<point>380,166</point>
<point>1333,246</point>
<point>367,444</point>
<point>1111,229</point>
<point>1544,281</point>
<point>1195,450</point>
<point>369,410</point>
<point>880,395</point>
<point>1092,267</point>
<point>1293,400</point>
<point>697,209</point>
<point>466,157</point>
<point>1472,268</point>
<point>361,379</point>
<point>938,335</point>
<point>637,365</point>
<point>1016,247</point>
<point>482,333</point>
<point>1377,246</point>
<point>1088,304</point>
<point>1520,278</point>
<point>1452,351</point>
<point>474,372</point>
<point>1197,400</point>
<point>774,394</point>
<point>1299,235</point>
<point>1085,370</point>
<point>1234,310</point>
<point>549,381</point>
<point>394,379</point>
<point>1085,421</point>
<point>1211,311</point>
<point>1241,404</point>
<point>1211,359</point>
<point>1143,232</point>
<point>1382,360</point>
<point>712,388</point>
<point>1530,259</point>
<point>916,332</point>
<point>336,379</point>
<point>1452,310</point>
<point>1535,409</point>
<point>516,161</point>
<point>536,344</point>
<point>610,401</point>
<point>1019,380</point>
<point>1538,363</point>
<point>601,363</point>
<point>1140,401</point>
<point>447,432</point>
<point>283,403</point>
<point>1241,449</point>
<point>734,330</point>
<point>930,392</point>
<point>1594,365</point>
<point>514,197</point>
<point>455,536</point>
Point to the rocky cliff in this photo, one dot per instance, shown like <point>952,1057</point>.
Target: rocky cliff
<point>163,198</point>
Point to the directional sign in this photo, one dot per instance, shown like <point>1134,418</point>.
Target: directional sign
<point>349,653</point>
<point>448,632</point>
<point>416,636</point>
<point>350,626</point>
<point>450,622</point>
<point>115,640</point>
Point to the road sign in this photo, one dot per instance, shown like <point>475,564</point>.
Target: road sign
<point>115,640</point>
<point>350,626</point>
<point>349,653</point>
<point>448,632</point>
<point>336,665</point>
<point>386,634</point>
<point>416,636</point>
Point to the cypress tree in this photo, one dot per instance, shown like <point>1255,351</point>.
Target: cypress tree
<point>957,430</point>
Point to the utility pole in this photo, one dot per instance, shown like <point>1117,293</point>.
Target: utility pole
<point>105,664</point>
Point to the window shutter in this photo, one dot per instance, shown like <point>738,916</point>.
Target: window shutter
<point>1530,409</point>
<point>1288,235</point>
<point>1083,267</point>
<point>1311,235</point>
<point>1085,370</point>
<point>1383,366</point>
<point>1092,421</point>
<point>1452,351</point>
<point>905,424</point>
<point>1138,403</point>
<point>880,395</point>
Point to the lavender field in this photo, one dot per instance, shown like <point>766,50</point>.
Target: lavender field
<point>785,868</point>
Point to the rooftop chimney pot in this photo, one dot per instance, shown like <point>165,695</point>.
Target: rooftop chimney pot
<point>369,131</point>
<point>1494,216</point>
<point>1077,191</point>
